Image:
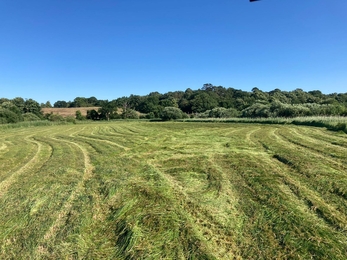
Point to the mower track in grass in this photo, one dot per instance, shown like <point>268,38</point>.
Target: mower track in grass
<point>40,156</point>
<point>43,247</point>
<point>169,190</point>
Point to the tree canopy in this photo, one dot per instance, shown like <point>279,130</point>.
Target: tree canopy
<point>209,101</point>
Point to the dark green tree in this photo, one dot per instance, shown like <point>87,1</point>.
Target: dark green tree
<point>203,101</point>
<point>92,114</point>
<point>31,106</point>
<point>106,111</point>
<point>19,103</point>
<point>60,104</point>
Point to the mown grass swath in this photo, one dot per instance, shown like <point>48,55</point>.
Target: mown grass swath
<point>333,123</point>
<point>174,190</point>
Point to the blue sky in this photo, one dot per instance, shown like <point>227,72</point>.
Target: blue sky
<point>62,49</point>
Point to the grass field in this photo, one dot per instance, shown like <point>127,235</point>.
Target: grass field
<point>145,190</point>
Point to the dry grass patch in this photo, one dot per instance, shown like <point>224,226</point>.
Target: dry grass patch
<point>71,111</point>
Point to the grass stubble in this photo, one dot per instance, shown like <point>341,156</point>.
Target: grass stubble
<point>141,190</point>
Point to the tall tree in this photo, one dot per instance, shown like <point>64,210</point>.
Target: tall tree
<point>31,106</point>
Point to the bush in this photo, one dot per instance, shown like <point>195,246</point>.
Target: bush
<point>257,110</point>
<point>130,114</point>
<point>338,127</point>
<point>79,115</point>
<point>7,116</point>
<point>172,113</point>
<point>30,117</point>
<point>150,115</point>
<point>221,112</point>
<point>56,118</point>
<point>70,119</point>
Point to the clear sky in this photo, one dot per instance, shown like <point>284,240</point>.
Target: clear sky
<point>61,49</point>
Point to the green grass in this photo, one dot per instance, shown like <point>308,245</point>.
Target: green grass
<point>333,123</point>
<point>173,190</point>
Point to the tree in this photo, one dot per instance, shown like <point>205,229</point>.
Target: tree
<point>92,101</point>
<point>260,96</point>
<point>47,104</point>
<point>202,102</point>
<point>169,102</point>
<point>185,105</point>
<point>31,106</point>
<point>60,104</point>
<point>2,100</point>
<point>20,103</point>
<point>134,102</point>
<point>79,102</point>
<point>207,86</point>
<point>92,114</point>
<point>12,107</point>
<point>106,110</point>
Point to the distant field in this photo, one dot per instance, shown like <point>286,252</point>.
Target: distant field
<point>68,111</point>
<point>142,190</point>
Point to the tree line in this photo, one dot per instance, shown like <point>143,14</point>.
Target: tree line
<point>18,109</point>
<point>208,101</point>
<point>220,102</point>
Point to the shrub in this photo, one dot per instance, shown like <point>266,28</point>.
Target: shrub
<point>130,114</point>
<point>56,118</point>
<point>8,116</point>
<point>150,115</point>
<point>338,127</point>
<point>172,113</point>
<point>70,119</point>
<point>257,110</point>
<point>79,115</point>
<point>221,112</point>
<point>30,117</point>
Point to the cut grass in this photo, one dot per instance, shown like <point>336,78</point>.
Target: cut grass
<point>333,123</point>
<point>141,190</point>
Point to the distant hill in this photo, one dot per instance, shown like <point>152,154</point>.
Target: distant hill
<point>71,111</point>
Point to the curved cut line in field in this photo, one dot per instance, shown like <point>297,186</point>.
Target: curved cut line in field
<point>308,139</point>
<point>336,165</point>
<point>309,201</point>
<point>249,135</point>
<point>76,134</point>
<point>283,141</point>
<point>286,143</point>
<point>88,168</point>
<point>23,132</point>
<point>205,221</point>
<point>313,197</point>
<point>326,156</point>
<point>4,185</point>
<point>104,141</point>
<point>183,190</point>
<point>328,135</point>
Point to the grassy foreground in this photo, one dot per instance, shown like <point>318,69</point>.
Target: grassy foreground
<point>141,190</point>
